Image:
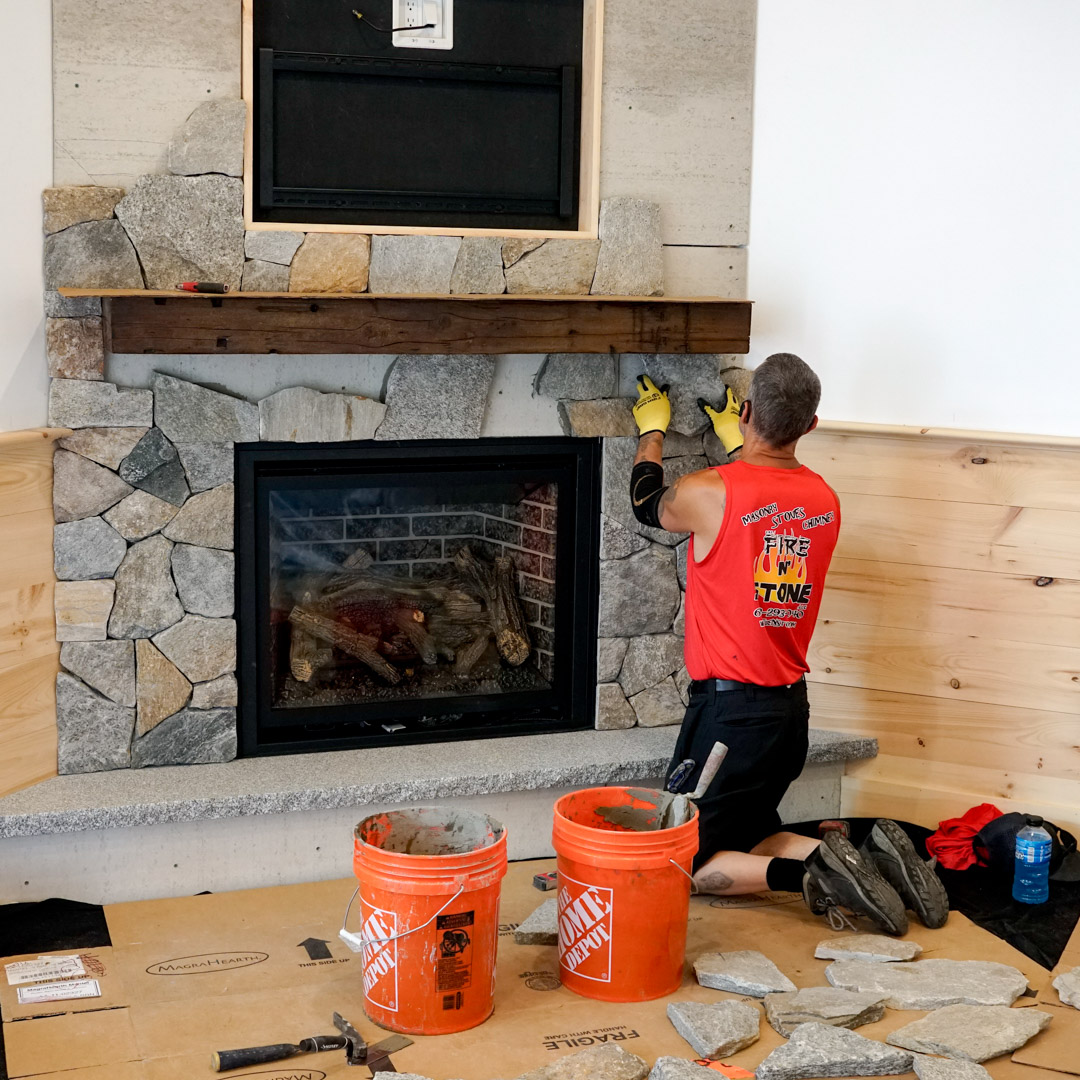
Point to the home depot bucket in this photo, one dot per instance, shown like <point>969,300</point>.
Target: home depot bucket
<point>429,883</point>
<point>624,892</point>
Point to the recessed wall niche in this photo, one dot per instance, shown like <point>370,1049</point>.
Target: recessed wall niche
<point>498,135</point>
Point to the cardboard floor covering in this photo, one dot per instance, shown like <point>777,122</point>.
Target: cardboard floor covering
<point>185,977</point>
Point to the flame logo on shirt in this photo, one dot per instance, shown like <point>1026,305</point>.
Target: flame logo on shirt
<point>780,570</point>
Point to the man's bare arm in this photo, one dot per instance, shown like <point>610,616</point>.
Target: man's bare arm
<point>693,503</point>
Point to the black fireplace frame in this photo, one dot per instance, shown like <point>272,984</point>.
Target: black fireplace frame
<point>569,706</point>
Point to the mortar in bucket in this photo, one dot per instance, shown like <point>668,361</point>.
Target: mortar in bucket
<point>429,883</point>
<point>624,890</point>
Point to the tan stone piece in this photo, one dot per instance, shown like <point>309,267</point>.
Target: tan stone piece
<point>83,609</point>
<point>331,262</point>
<point>556,268</point>
<point>140,515</point>
<point>515,247</point>
<point>74,348</point>
<point>107,446</point>
<point>160,688</point>
<point>67,206</point>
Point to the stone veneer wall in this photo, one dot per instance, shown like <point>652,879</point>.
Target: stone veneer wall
<point>143,497</point>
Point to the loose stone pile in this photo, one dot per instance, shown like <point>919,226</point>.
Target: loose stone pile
<point>1067,984</point>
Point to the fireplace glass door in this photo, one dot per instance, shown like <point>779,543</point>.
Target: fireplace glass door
<point>415,591</point>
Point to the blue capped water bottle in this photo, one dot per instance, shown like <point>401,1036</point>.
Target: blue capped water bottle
<point>1031,877</point>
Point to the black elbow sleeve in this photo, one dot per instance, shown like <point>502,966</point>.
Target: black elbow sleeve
<point>646,488</point>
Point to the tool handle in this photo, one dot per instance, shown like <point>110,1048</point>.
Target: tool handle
<point>710,769</point>
<point>221,1060</point>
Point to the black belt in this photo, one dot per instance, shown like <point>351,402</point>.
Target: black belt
<point>721,685</point>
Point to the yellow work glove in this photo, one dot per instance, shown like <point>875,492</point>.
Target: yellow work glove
<point>725,421</point>
<point>652,410</point>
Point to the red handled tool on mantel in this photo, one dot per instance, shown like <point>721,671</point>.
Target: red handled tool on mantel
<point>203,287</point>
<point>357,1051</point>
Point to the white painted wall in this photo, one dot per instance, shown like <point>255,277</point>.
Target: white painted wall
<point>26,88</point>
<point>915,208</point>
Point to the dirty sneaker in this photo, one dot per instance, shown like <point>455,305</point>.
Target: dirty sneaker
<point>890,851</point>
<point>838,877</point>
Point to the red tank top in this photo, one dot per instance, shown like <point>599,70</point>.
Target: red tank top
<point>752,602</point>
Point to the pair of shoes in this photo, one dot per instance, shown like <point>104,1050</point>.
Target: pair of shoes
<point>879,881</point>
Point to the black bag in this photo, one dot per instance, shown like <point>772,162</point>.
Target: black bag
<point>995,844</point>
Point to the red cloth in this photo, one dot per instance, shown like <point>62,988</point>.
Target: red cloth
<point>752,601</point>
<point>954,842</point>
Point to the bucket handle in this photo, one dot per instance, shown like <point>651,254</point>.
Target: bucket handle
<point>357,943</point>
<point>693,883</point>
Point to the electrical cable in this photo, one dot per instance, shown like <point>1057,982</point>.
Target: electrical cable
<point>392,29</point>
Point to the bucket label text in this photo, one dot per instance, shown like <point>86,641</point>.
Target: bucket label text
<point>454,966</point>
<point>380,958</point>
<point>585,929</point>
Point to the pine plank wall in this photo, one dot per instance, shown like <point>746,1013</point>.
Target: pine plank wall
<point>936,636</point>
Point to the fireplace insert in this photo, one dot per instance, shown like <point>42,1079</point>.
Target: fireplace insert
<point>395,592</point>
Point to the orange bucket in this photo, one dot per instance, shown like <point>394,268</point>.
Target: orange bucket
<point>624,893</point>
<point>429,884</point>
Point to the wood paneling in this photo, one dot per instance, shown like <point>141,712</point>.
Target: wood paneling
<point>28,650</point>
<point>941,631</point>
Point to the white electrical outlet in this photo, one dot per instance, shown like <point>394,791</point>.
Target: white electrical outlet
<point>419,12</point>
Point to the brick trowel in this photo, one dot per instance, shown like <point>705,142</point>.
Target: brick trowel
<point>357,1051</point>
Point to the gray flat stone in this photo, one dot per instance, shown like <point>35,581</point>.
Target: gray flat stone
<point>682,553</point>
<point>106,666</point>
<point>140,515</point>
<point>189,413</point>
<point>298,414</point>
<point>931,984</point>
<point>682,676</point>
<point>971,1032</point>
<point>205,579</point>
<point>186,228</point>
<point>609,658</point>
<point>69,307</point>
<point>822,1005</point>
<point>607,1062</point>
<point>107,446</point>
<point>211,140</point>
<point>639,594</point>
<point>819,1050</point>
<point>1067,984</point>
<point>201,648</point>
<point>479,268</point>
<point>936,1068</point>
<point>631,258</point>
<point>331,262</point>
<point>205,520</point>
<point>437,397</point>
<point>83,489</point>
<point>95,255</point>
<point>86,550</point>
<point>577,376</point>
<point>690,377</point>
<point>146,600</point>
<point>82,609</point>
<point>207,465</point>
<point>716,1029</point>
<point>272,245</point>
<point>649,660</point>
<point>673,1068</point>
<point>873,948</point>
<point>74,348</point>
<point>741,972</point>
<point>260,276</point>
<point>603,418</point>
<point>190,737</point>
<point>659,705</point>
<point>413,264</point>
<point>555,268</point>
<point>162,690</point>
<point>617,541</point>
<point>679,626</point>
<point>613,711</point>
<point>219,693</point>
<point>153,466</point>
<point>63,207</point>
<point>93,733</point>
<point>541,927</point>
<point>76,403</point>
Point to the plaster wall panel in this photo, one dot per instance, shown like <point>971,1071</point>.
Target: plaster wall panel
<point>676,113</point>
<point>705,271</point>
<point>127,73</point>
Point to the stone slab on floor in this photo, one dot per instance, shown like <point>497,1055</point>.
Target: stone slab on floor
<point>541,927</point>
<point>931,984</point>
<point>872,948</point>
<point>741,971</point>
<point>818,1050</point>
<point>716,1030</point>
<point>971,1032</point>
<point>823,1005</point>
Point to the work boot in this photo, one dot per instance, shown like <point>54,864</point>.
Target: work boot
<point>838,877</point>
<point>890,851</point>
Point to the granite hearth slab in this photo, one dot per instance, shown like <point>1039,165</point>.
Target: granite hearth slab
<point>399,774</point>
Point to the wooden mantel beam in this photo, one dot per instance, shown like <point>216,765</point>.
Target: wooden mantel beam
<point>168,322</point>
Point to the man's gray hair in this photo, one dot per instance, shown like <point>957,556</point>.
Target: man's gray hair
<point>784,394</point>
